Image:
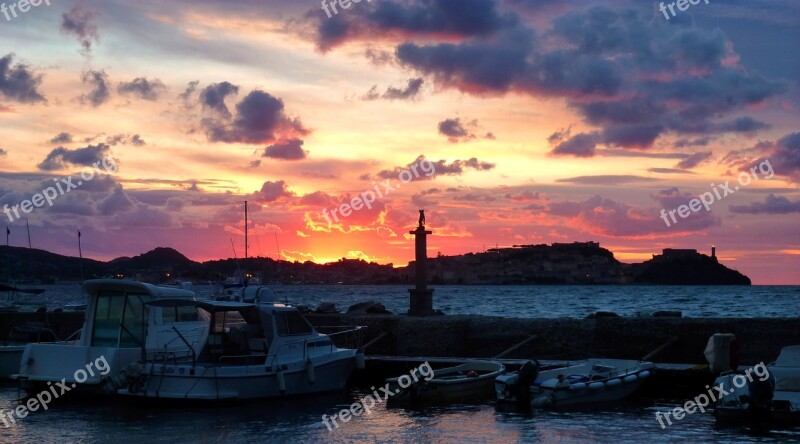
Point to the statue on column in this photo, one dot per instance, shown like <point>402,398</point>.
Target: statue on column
<point>421,218</point>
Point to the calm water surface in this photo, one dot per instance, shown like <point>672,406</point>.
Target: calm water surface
<point>299,421</point>
<point>535,301</point>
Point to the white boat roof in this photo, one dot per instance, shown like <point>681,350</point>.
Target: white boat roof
<point>789,357</point>
<point>93,285</point>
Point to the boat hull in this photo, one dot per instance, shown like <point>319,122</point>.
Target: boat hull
<point>215,382</point>
<point>449,385</point>
<point>10,357</point>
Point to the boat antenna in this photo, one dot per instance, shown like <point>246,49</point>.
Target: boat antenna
<point>80,254</point>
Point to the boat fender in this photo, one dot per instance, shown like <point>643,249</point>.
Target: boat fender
<point>614,382</point>
<point>578,386</point>
<point>361,363</point>
<point>630,378</point>
<point>596,385</point>
<point>310,372</point>
<point>281,381</point>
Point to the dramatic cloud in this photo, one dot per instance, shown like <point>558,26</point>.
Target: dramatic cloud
<point>213,97</point>
<point>18,82</point>
<point>773,204</point>
<point>420,17</point>
<point>442,168</point>
<point>79,21</point>
<point>3,153</point>
<point>60,157</point>
<point>143,88</point>
<point>259,118</point>
<point>783,155</point>
<point>694,160</point>
<point>291,149</point>
<point>408,93</point>
<point>272,191</point>
<point>631,78</point>
<point>455,131</point>
<point>99,93</point>
<point>125,139</point>
<point>61,138</point>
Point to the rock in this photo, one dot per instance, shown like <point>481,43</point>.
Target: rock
<point>326,307</point>
<point>602,314</point>
<point>668,314</point>
<point>365,307</point>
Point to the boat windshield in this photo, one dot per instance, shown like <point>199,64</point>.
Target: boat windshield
<point>120,319</point>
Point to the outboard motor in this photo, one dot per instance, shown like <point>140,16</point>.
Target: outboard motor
<point>525,378</point>
<point>759,408</point>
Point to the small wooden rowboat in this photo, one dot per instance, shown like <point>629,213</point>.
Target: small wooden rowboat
<point>469,382</point>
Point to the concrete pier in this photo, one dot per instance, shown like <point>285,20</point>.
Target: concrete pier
<point>630,338</point>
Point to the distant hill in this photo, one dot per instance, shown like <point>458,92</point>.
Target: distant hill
<point>687,268</point>
<point>559,263</point>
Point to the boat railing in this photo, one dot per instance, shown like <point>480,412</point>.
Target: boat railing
<point>344,336</point>
<point>355,331</point>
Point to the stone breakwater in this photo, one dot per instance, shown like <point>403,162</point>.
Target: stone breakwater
<point>615,337</point>
<point>485,336</point>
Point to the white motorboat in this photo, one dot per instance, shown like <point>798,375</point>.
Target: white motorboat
<point>11,349</point>
<point>119,326</point>
<point>770,397</point>
<point>468,382</point>
<point>250,350</point>
<point>577,383</point>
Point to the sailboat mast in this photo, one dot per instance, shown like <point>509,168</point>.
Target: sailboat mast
<point>245,229</point>
<point>29,233</point>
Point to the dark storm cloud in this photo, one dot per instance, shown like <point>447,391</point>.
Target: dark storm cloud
<point>213,97</point>
<point>60,157</point>
<point>426,17</point>
<point>142,88</point>
<point>291,149</point>
<point>259,118</point>
<point>99,83</point>
<point>773,204</point>
<point>80,22</point>
<point>18,82</point>
<point>632,78</point>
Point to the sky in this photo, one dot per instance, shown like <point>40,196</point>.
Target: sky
<point>509,122</point>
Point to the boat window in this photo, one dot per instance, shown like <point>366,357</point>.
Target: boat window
<point>107,314</point>
<point>134,323</point>
<point>172,315</point>
<point>292,323</point>
<point>120,320</point>
<point>226,320</point>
